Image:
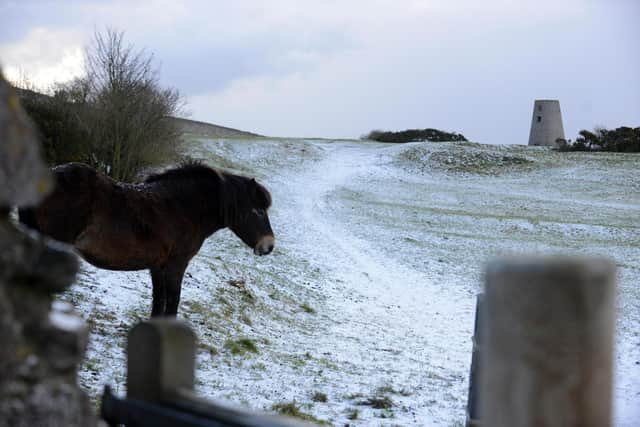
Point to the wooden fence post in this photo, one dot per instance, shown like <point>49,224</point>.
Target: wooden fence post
<point>161,356</point>
<point>549,327</point>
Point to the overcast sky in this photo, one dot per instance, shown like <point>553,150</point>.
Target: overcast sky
<point>342,68</point>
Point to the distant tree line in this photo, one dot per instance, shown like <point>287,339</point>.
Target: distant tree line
<point>411,135</point>
<point>623,139</point>
<point>114,118</point>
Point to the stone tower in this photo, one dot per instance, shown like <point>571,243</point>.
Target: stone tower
<point>546,123</point>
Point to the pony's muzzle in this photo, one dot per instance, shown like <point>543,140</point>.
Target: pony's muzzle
<point>265,245</point>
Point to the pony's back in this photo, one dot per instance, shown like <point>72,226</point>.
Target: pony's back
<point>63,214</point>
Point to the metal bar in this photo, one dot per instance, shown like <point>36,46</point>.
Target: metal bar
<point>135,413</point>
<point>474,378</point>
<point>183,410</point>
<point>185,400</point>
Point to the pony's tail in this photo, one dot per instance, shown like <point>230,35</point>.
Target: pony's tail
<point>27,216</point>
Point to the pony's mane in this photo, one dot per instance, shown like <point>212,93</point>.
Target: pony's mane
<point>192,169</point>
<point>198,171</point>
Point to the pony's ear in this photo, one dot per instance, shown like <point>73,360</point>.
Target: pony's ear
<point>259,194</point>
<point>253,189</point>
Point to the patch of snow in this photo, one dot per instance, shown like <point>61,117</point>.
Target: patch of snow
<point>65,321</point>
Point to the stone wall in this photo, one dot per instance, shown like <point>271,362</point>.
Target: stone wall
<point>42,341</point>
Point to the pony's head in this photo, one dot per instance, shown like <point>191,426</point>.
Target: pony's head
<point>251,222</point>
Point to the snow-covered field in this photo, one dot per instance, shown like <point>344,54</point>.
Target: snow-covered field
<point>368,300</point>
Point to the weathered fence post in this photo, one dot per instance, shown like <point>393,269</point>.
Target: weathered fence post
<point>161,356</point>
<point>548,342</point>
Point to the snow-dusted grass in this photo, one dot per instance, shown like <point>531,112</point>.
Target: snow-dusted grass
<point>368,298</point>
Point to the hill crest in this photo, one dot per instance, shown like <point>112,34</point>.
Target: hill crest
<point>208,129</point>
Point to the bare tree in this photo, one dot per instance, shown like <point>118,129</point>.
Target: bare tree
<point>122,109</point>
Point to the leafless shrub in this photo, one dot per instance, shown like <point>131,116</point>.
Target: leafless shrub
<point>115,117</point>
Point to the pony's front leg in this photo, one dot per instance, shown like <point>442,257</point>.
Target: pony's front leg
<point>159,292</point>
<point>173,282</point>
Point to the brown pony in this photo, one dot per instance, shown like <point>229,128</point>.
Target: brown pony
<point>159,224</point>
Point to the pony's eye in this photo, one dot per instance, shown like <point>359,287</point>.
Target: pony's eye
<point>259,212</point>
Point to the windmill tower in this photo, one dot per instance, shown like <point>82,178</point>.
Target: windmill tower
<point>546,123</point>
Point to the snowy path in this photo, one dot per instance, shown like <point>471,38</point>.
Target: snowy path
<point>389,320</point>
